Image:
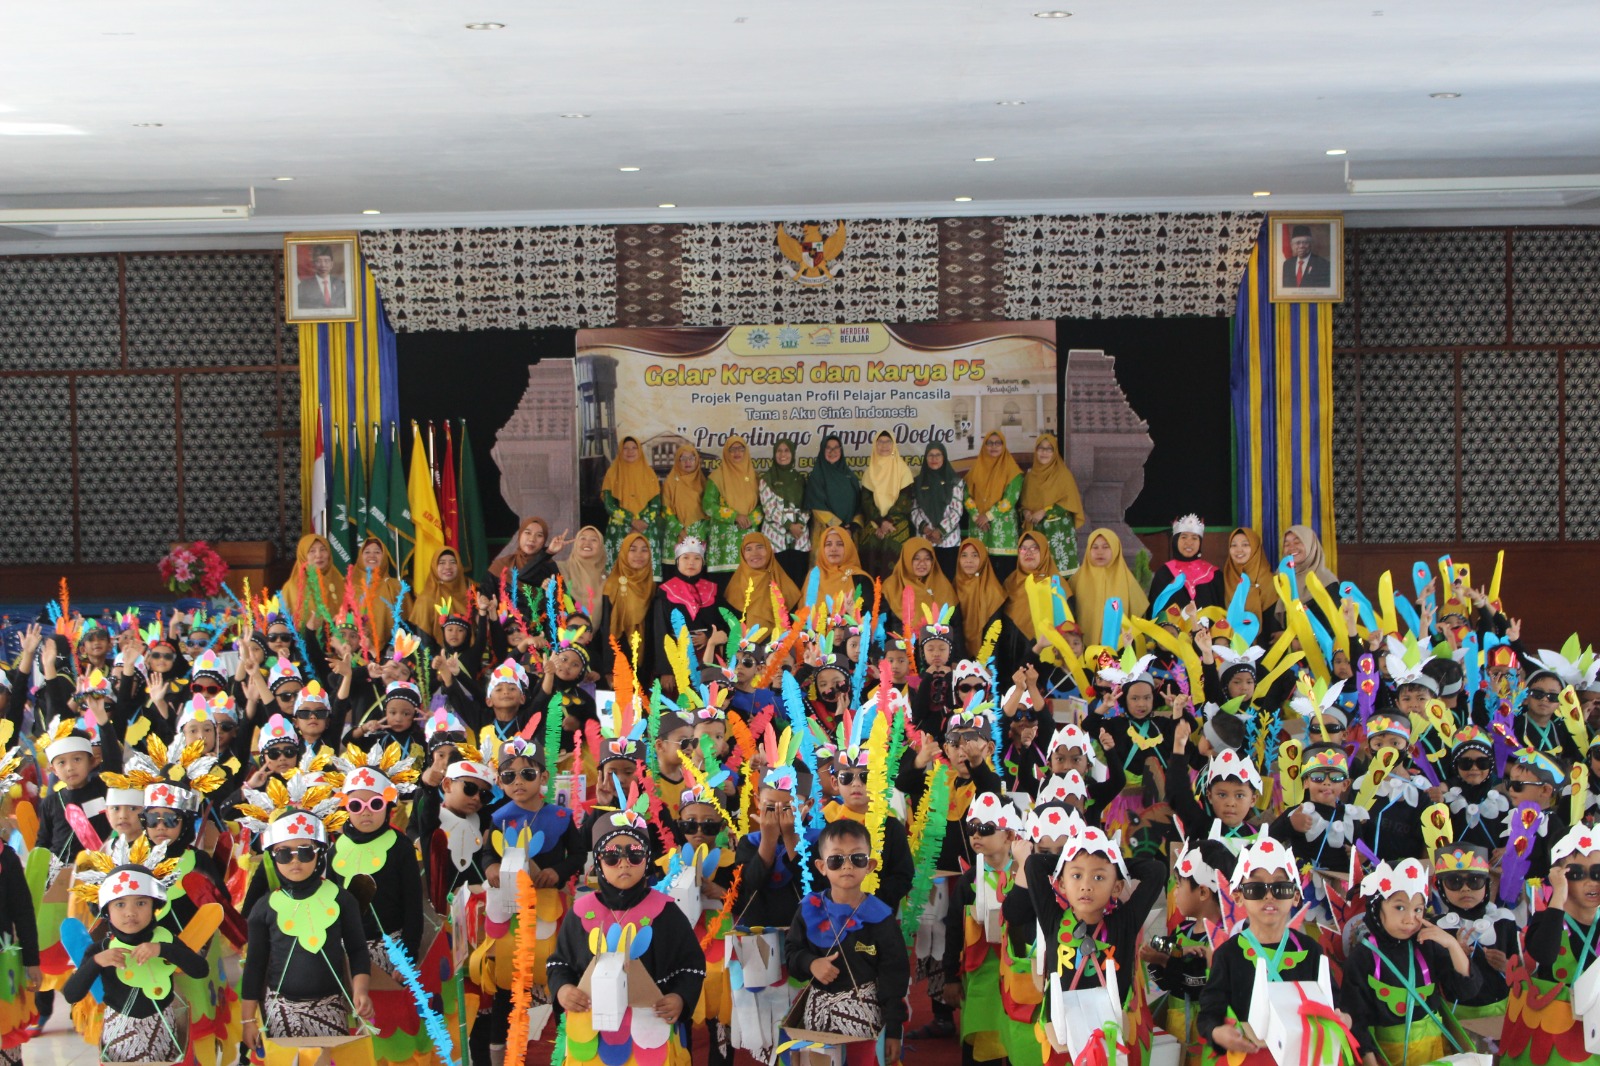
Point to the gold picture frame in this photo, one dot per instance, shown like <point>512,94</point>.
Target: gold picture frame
<point>321,277</point>
<point>1317,276</point>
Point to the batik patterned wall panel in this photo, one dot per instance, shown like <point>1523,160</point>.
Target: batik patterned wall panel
<point>512,278</point>
<point>972,269</point>
<point>1346,418</point>
<point>59,313</point>
<point>35,471</point>
<point>1408,447</point>
<point>203,310</point>
<point>1510,451</point>
<point>1554,272</point>
<point>1092,266</point>
<point>230,464</point>
<point>650,274</point>
<point>888,270</point>
<point>1433,288</point>
<point>127,463</point>
<point>1581,402</point>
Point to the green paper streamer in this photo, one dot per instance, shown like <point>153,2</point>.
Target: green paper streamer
<point>552,743</point>
<point>928,849</point>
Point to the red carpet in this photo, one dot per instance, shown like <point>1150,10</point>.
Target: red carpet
<point>921,1052</point>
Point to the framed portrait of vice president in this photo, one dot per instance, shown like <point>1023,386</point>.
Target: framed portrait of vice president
<point>1307,257</point>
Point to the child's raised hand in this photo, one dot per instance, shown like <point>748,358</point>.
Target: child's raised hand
<point>824,971</point>
<point>1021,848</point>
<point>1432,934</point>
<point>1181,733</point>
<point>668,1008</point>
<point>574,999</point>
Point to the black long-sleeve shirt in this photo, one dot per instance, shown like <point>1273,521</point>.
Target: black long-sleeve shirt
<point>1360,1000</point>
<point>872,952</point>
<point>276,961</point>
<point>1233,977</point>
<point>674,959</point>
<point>129,1002</point>
<point>957,847</point>
<point>768,895</point>
<point>397,904</point>
<point>16,906</point>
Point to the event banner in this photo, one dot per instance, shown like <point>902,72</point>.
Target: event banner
<point>947,383</point>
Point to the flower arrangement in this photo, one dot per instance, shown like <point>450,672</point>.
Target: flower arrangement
<point>189,567</point>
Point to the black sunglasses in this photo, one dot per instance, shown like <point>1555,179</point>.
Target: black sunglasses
<point>747,661</point>
<point>688,743</point>
<point>1543,696</point>
<point>962,736</point>
<point>618,856</point>
<point>1326,777</point>
<point>197,642</point>
<point>304,853</point>
<point>1475,764</point>
<point>170,819</point>
<point>1518,786</point>
<point>707,827</point>
<point>982,829</point>
<point>968,686</point>
<point>287,697</point>
<point>167,655</point>
<point>281,753</point>
<point>1578,873</point>
<point>279,638</point>
<point>471,789</point>
<point>307,713</point>
<point>1259,889</point>
<point>850,777</point>
<point>1457,882</point>
<point>857,859</point>
<point>527,773</point>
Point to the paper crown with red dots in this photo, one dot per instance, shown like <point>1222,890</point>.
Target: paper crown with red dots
<point>1580,840</point>
<point>991,808</point>
<point>1410,877</point>
<point>126,882</point>
<point>1063,787</point>
<point>1266,854</point>
<point>1229,763</point>
<point>294,826</point>
<point>1085,839</point>
<point>1192,864</point>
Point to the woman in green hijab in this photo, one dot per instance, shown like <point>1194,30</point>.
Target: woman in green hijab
<point>784,518</point>
<point>832,489</point>
<point>937,497</point>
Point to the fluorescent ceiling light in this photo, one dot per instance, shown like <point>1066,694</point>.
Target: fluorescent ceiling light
<point>984,159</point>
<point>963,199</point>
<point>72,216</point>
<point>1334,151</point>
<point>38,129</point>
<point>1512,183</point>
<point>629,170</point>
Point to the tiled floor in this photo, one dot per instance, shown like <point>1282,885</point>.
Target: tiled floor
<point>59,1046</point>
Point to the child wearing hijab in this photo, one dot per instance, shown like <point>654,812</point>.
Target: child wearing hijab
<point>832,490</point>
<point>315,588</point>
<point>628,590</point>
<point>687,591</point>
<point>631,495</point>
<point>732,506</point>
<point>673,957</point>
<point>785,521</point>
<point>1201,582</point>
<point>938,496</point>
<point>994,485</point>
<point>885,506</point>
<point>917,581</point>
<point>1050,503</point>
<point>1103,576</point>
<point>683,494</point>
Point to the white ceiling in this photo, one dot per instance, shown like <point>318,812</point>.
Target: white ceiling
<point>761,109</point>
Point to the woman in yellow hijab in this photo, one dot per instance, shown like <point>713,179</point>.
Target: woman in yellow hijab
<point>631,493</point>
<point>885,504</point>
<point>683,493</point>
<point>750,588</point>
<point>447,583</point>
<point>978,592</point>
<point>374,590</point>
<point>732,505</point>
<point>1033,560</point>
<point>994,484</point>
<point>838,568</point>
<point>628,589</point>
<point>1103,575</point>
<point>315,589</point>
<point>1050,503</point>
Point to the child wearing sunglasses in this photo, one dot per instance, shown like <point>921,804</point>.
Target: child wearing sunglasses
<point>1537,724</point>
<point>941,692</point>
<point>453,829</point>
<point>305,936</point>
<point>674,739</point>
<point>1561,942</point>
<point>1537,778</point>
<point>1393,829</point>
<point>849,944</point>
<point>1462,878</point>
<point>136,961</point>
<point>1401,969</point>
<point>1266,885</point>
<point>897,866</point>
<point>701,823</point>
<point>673,958</point>
<point>1322,829</point>
<point>1477,808</point>
<point>974,933</point>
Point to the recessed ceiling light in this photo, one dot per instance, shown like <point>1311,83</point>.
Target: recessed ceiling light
<point>1011,103</point>
<point>1052,14</point>
<point>1334,151</point>
<point>372,211</point>
<point>282,179</point>
<point>486,25</point>
<point>148,125</point>
<point>574,114</point>
<point>666,205</point>
<point>1261,192</point>
<point>963,199</point>
<point>1444,96</point>
<point>984,159</point>
<point>628,170</point>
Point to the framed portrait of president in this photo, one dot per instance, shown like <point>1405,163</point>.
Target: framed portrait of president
<point>1307,258</point>
<point>321,277</point>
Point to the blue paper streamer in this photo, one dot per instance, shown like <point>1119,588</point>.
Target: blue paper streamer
<point>432,1020</point>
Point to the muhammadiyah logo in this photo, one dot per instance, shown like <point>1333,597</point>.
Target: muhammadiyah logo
<point>758,337</point>
<point>815,258</point>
